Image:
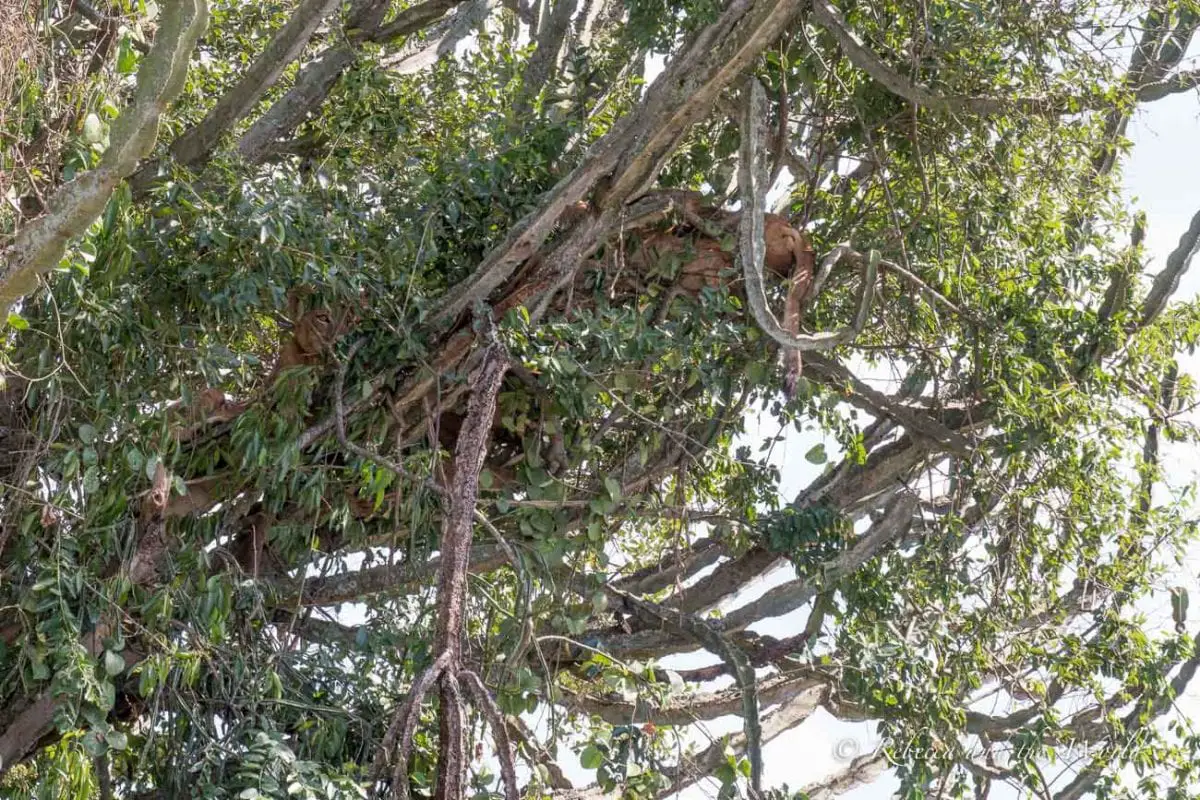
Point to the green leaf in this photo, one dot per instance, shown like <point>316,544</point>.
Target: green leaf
<point>87,433</point>
<point>17,321</point>
<point>91,480</point>
<point>613,487</point>
<point>126,56</point>
<point>113,663</point>
<point>817,455</point>
<point>591,757</point>
<point>116,740</point>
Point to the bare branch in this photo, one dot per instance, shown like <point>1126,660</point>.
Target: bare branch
<point>698,707</point>
<point>712,639</point>
<point>1179,82</point>
<point>693,768</point>
<point>444,36</point>
<point>546,56</point>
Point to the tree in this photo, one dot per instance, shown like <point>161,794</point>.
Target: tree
<point>315,308</point>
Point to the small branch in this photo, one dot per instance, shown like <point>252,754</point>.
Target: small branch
<point>783,719</point>
<point>836,375</point>
<point>858,772</point>
<point>865,59</point>
<point>720,645</point>
<point>504,752</point>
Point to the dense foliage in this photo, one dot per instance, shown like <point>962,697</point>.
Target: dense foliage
<point>228,405</point>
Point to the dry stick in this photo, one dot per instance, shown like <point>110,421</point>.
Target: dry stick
<point>457,530</point>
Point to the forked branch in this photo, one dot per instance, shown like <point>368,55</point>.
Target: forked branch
<point>447,670</point>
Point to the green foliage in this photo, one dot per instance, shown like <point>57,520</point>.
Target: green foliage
<point>270,665</point>
<point>807,536</point>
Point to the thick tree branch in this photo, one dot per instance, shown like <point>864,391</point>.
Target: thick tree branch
<point>195,145</point>
<point>895,522</point>
<point>699,707</point>
<point>317,78</point>
<point>39,245</point>
<point>1167,281</point>
<point>635,150</point>
<point>349,587</point>
<point>859,772</point>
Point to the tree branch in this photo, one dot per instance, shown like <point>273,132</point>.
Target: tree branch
<point>39,245</point>
<point>285,47</point>
<point>635,150</point>
<point>711,639</point>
